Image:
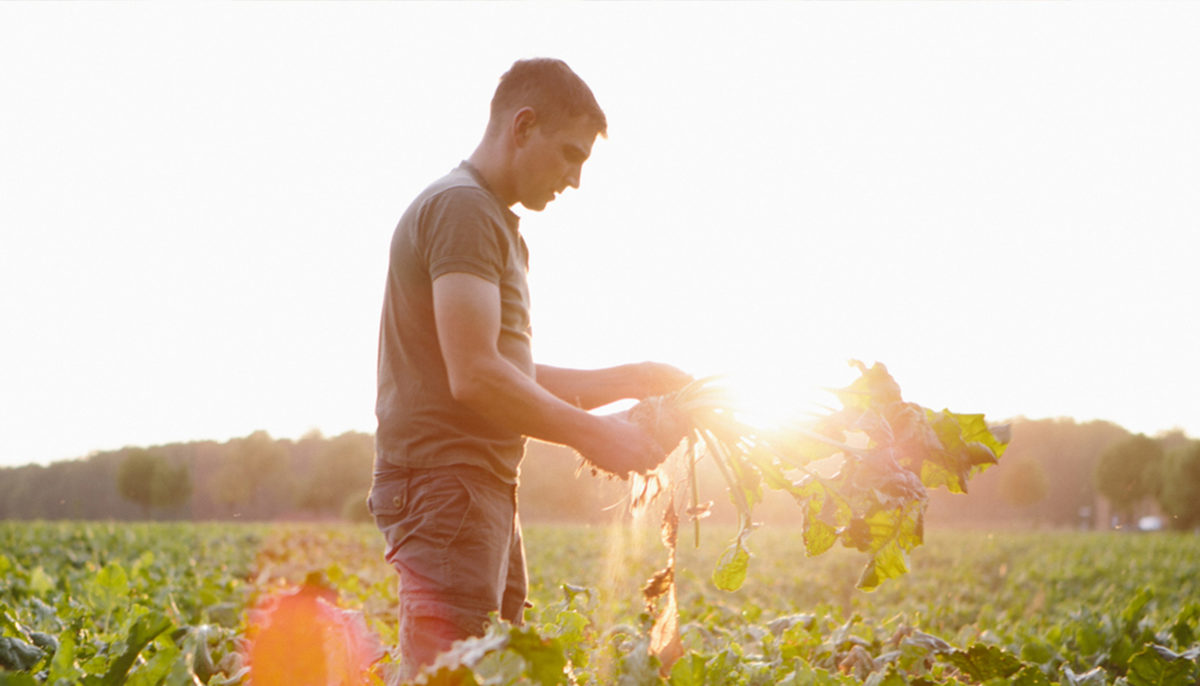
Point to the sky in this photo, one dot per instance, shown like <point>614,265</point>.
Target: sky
<point>999,201</point>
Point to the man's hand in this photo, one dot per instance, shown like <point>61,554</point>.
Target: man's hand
<point>656,378</point>
<point>620,447</point>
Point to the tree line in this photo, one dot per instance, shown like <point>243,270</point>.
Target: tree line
<point>1056,473</point>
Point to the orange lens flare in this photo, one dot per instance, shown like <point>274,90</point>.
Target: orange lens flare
<point>300,637</point>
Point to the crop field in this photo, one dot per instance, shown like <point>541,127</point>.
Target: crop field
<point>101,603</point>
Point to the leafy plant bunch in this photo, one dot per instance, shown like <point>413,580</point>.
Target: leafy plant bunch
<point>859,474</point>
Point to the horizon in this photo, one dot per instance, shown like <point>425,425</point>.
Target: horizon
<point>317,433</point>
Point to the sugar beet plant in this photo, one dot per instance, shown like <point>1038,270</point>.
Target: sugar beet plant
<point>860,475</point>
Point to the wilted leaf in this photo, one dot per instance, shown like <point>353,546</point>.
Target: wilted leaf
<point>658,584</point>
<point>664,635</point>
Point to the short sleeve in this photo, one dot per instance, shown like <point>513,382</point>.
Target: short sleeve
<point>461,234</point>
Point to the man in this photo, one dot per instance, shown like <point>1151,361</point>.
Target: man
<point>458,389</point>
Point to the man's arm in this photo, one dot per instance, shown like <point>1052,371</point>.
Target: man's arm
<point>467,314</point>
<point>590,388</point>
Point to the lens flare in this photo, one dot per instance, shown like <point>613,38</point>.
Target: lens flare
<point>300,637</point>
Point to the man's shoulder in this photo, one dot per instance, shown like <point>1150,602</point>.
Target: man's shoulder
<point>458,183</point>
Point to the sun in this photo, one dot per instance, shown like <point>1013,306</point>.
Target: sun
<point>778,396</point>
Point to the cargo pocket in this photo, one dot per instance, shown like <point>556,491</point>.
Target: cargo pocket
<point>388,498</point>
<point>388,503</point>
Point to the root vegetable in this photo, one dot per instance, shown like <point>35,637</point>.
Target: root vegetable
<point>661,418</point>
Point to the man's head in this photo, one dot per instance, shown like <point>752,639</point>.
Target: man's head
<point>543,123</point>
<point>555,93</point>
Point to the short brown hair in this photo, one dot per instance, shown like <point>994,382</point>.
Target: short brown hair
<point>549,86</point>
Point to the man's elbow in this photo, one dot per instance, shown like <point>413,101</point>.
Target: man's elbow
<point>469,387</point>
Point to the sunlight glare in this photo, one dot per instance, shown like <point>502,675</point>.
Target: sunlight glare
<point>773,400</point>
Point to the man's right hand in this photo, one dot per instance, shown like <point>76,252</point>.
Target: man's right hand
<point>621,447</point>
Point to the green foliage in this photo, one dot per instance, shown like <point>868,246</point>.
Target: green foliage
<point>165,604</point>
<point>888,453</point>
<point>983,662</point>
<point>1180,496</point>
<point>255,469</point>
<point>1157,665</point>
<point>151,481</point>
<point>341,470</point>
<point>1130,471</point>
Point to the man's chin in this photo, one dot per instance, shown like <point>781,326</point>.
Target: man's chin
<point>535,205</point>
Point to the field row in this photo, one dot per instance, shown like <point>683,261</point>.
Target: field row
<point>183,603</point>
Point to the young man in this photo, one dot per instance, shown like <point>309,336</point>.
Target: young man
<point>458,389</point>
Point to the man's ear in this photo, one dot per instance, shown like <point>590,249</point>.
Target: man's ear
<point>523,122</point>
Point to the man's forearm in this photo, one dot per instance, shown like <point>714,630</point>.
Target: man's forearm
<point>591,388</point>
<point>498,391</point>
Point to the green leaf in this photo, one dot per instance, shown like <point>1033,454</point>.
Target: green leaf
<point>690,670</point>
<point>109,588</point>
<point>546,662</point>
<point>982,662</point>
<point>731,569</point>
<point>968,447</point>
<point>10,625</point>
<point>40,583</point>
<point>62,665</point>
<point>1030,676</point>
<point>1136,608</point>
<point>157,667</point>
<point>818,537</point>
<point>887,563</point>
<point>1156,665</point>
<point>144,630</point>
<point>1089,638</point>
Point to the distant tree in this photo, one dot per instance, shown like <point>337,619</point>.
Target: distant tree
<point>255,476</point>
<point>1023,482</point>
<point>341,470</point>
<point>149,480</point>
<point>1180,495</point>
<point>1067,452</point>
<point>1170,440</point>
<point>1130,471</point>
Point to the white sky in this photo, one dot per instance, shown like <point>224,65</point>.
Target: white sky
<point>1000,201</point>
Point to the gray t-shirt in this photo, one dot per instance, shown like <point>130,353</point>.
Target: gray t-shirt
<point>454,225</point>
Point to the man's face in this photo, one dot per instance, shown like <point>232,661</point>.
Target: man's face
<point>551,160</point>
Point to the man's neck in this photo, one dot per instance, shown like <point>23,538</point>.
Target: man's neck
<point>492,165</point>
